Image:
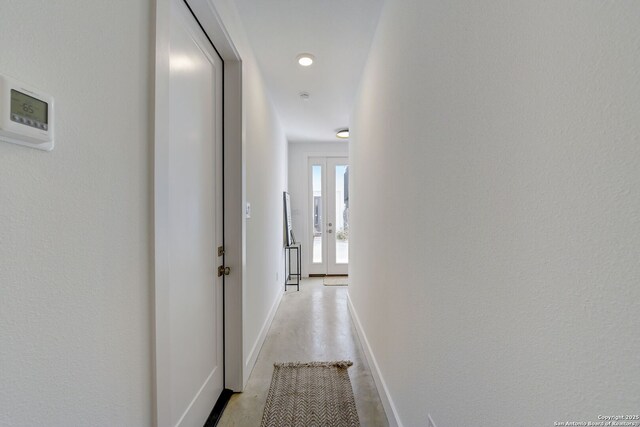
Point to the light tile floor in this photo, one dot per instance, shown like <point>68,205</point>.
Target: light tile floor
<point>311,325</point>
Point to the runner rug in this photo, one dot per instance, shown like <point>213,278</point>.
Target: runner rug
<point>310,394</point>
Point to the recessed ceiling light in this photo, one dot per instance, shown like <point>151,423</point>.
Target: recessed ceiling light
<point>305,59</point>
<point>343,133</point>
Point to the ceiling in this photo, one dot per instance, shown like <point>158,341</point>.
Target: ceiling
<point>337,32</point>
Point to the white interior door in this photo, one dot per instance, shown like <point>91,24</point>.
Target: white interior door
<point>192,371</point>
<point>329,212</point>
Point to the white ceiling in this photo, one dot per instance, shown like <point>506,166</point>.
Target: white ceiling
<point>337,32</point>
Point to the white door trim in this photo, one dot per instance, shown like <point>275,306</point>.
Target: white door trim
<point>234,187</point>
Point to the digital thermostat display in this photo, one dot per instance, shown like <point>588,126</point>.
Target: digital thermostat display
<point>28,110</point>
<point>27,115</point>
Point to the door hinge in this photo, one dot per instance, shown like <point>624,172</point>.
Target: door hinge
<point>223,271</point>
<point>220,250</point>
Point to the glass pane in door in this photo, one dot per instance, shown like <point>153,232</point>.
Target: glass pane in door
<point>316,212</point>
<point>342,214</point>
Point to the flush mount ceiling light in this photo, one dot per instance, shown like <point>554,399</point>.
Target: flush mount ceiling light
<point>343,133</point>
<point>305,59</point>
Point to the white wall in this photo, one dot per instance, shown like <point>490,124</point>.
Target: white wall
<point>75,333</point>
<point>299,153</point>
<point>495,167</point>
<point>266,179</point>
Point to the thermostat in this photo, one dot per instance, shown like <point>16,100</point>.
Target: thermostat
<point>26,115</point>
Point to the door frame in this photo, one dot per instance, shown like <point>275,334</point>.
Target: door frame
<point>234,223</point>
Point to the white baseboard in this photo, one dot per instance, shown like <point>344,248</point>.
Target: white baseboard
<point>389,408</point>
<point>257,345</point>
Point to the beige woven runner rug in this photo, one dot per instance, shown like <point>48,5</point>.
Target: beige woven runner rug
<point>310,394</point>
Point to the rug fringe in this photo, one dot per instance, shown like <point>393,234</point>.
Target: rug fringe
<point>337,364</point>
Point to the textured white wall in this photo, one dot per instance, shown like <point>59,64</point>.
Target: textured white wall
<point>299,153</point>
<point>74,222</point>
<point>495,221</point>
<point>266,181</point>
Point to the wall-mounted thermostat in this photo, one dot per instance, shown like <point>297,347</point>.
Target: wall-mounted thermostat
<point>26,115</point>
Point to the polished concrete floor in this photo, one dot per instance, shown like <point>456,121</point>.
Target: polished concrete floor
<point>311,325</point>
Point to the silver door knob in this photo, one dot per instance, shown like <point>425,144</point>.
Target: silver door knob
<point>330,224</point>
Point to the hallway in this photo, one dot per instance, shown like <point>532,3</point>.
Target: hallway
<point>493,208</point>
<point>311,325</point>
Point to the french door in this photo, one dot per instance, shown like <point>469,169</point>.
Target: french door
<point>329,215</point>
